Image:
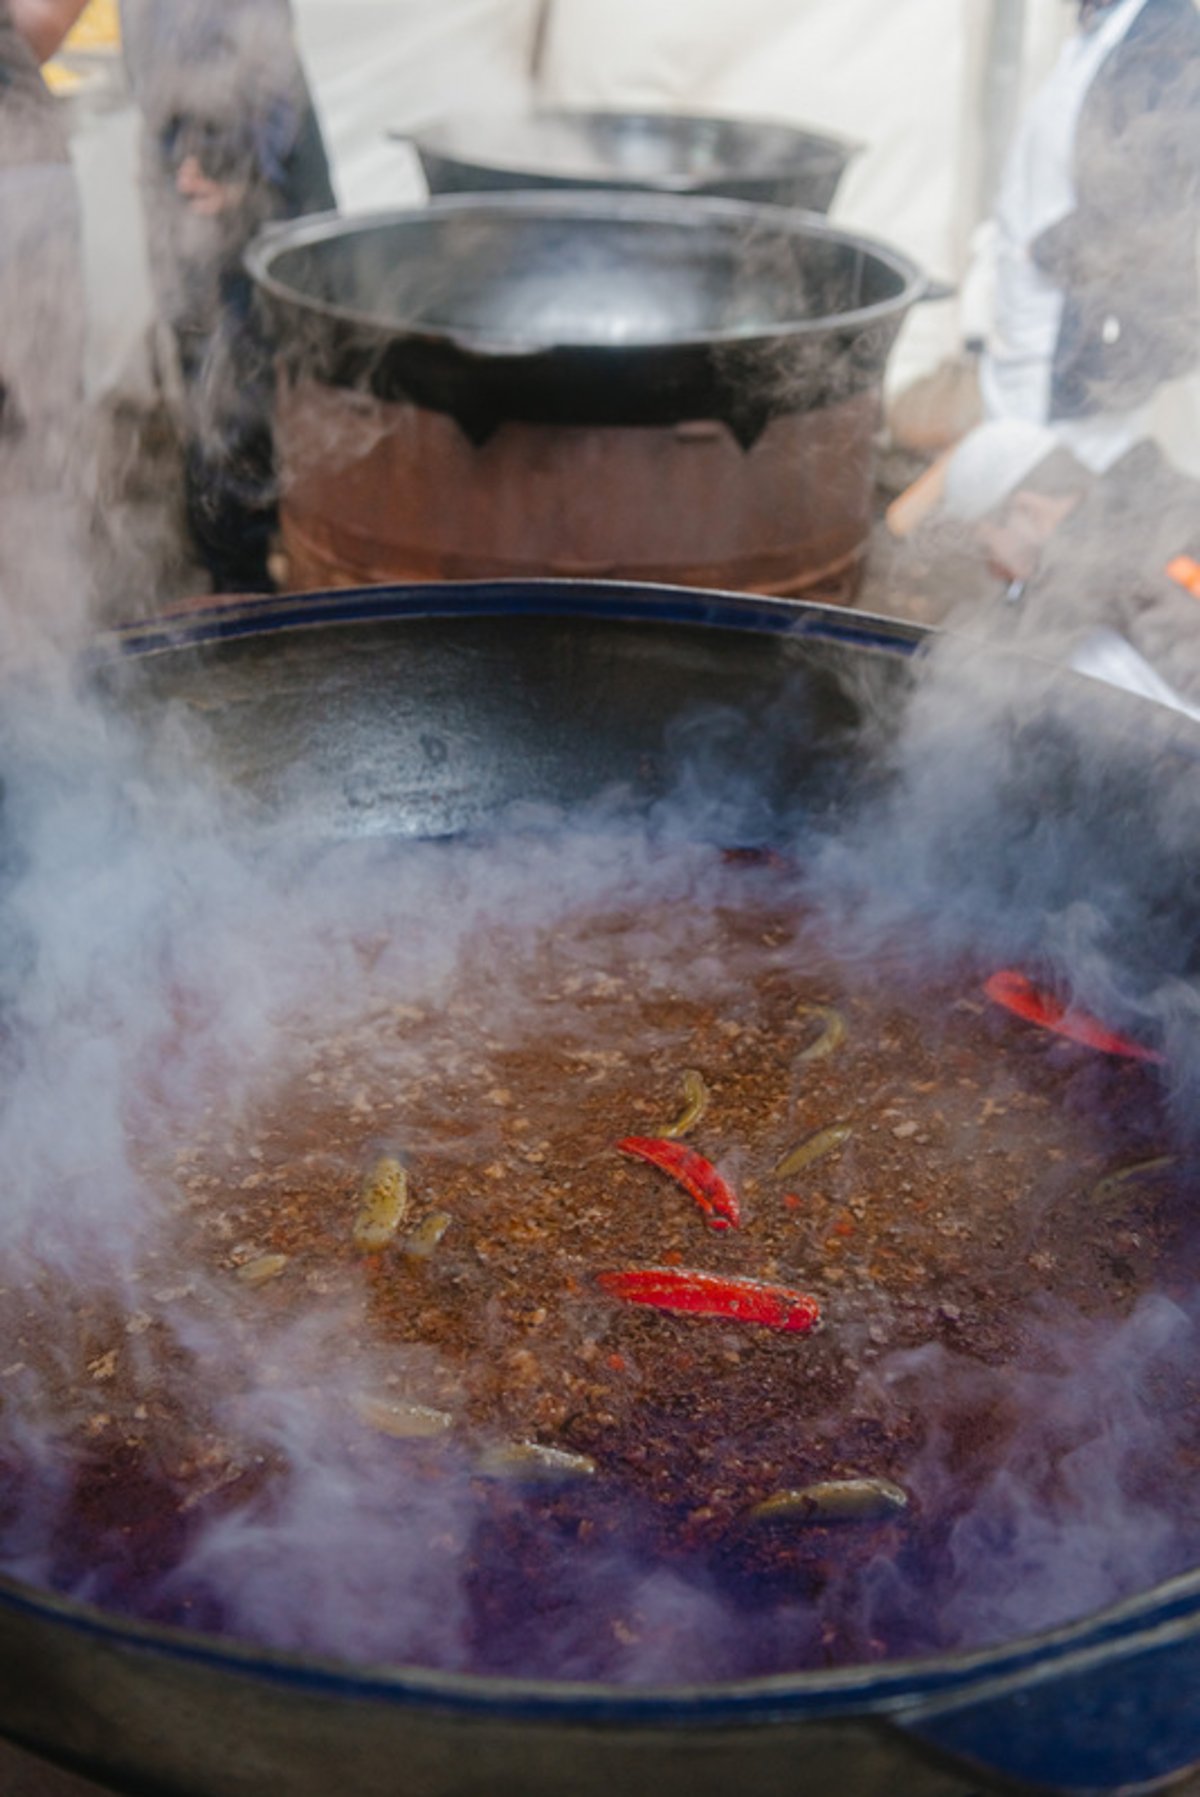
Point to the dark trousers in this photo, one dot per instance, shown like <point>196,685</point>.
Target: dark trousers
<point>229,458</point>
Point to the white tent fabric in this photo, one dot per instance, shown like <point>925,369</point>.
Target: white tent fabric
<point>380,66</point>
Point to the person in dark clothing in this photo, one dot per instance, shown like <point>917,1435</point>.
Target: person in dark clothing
<point>1095,231</point>
<point>231,143</point>
<point>1124,257</point>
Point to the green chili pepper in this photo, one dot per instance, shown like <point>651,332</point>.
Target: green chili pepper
<point>833,1031</point>
<point>530,1463</point>
<point>383,1203</point>
<point>834,1500</point>
<point>1114,1183</point>
<point>406,1422</point>
<point>262,1268</point>
<point>821,1142</point>
<point>421,1241</point>
<point>695,1095</point>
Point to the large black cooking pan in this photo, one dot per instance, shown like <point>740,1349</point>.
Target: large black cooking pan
<point>662,152</point>
<point>426,711</point>
<point>587,308</point>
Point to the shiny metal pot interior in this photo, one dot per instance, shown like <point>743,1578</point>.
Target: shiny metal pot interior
<point>587,308</point>
<point>427,711</point>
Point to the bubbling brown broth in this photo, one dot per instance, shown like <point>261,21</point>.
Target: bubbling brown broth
<point>591,1488</point>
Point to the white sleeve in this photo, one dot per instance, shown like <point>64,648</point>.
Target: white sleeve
<point>977,290</point>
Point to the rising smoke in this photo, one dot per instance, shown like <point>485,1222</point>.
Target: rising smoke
<point>174,947</point>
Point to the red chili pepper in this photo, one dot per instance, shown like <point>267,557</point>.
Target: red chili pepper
<point>1018,994</point>
<point>710,1295</point>
<point>698,1177</point>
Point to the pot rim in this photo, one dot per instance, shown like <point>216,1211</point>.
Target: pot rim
<point>928,1684</point>
<point>606,206</point>
<point>440,139</point>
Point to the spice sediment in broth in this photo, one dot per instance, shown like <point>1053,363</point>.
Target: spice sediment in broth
<point>452,1173</point>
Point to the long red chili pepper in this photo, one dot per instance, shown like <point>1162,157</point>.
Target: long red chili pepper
<point>710,1295</point>
<point>698,1177</point>
<point>1017,993</point>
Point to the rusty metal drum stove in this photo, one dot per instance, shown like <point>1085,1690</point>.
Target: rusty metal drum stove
<point>580,384</point>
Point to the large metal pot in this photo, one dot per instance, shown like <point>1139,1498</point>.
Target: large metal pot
<point>519,384</point>
<point>419,712</point>
<point>661,152</point>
